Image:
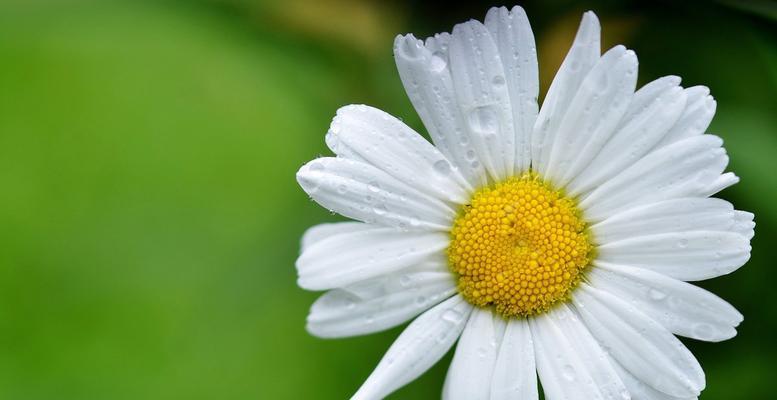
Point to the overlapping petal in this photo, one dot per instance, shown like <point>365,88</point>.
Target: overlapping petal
<point>419,347</point>
<point>380,303</point>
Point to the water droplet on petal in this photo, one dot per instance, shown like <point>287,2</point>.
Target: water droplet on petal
<point>568,372</point>
<point>437,63</point>
<point>443,167</point>
<point>656,294</point>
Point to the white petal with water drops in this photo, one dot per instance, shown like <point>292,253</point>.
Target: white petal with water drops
<point>563,365</point>
<point>515,41</point>
<point>682,169</point>
<point>659,360</point>
<point>317,233</point>
<point>514,374</point>
<point>688,256</point>
<point>483,98</point>
<point>469,375</point>
<point>419,347</point>
<point>350,257</point>
<point>387,143</point>
<point>365,193</point>
<point>592,115</point>
<point>380,303</point>
<point>581,58</point>
<point>653,110</point>
<point>682,308</point>
<point>668,216</point>
<point>426,75</point>
<point>696,117</point>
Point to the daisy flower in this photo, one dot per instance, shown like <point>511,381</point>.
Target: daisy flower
<point>551,242</point>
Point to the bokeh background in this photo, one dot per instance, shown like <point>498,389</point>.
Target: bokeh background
<point>149,216</point>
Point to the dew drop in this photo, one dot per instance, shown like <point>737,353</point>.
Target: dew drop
<point>373,186</point>
<point>568,372</point>
<point>704,331</point>
<point>452,316</point>
<point>498,80</point>
<point>380,209</point>
<point>483,120</point>
<point>443,167</point>
<point>656,294</point>
<point>437,63</point>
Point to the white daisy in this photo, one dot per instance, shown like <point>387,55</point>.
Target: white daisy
<point>555,240</point>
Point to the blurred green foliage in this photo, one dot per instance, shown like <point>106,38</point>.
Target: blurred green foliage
<point>149,216</point>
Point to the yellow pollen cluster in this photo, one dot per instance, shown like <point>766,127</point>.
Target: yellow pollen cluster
<point>519,246</point>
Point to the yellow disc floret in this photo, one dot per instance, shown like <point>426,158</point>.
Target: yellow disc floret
<point>519,246</point>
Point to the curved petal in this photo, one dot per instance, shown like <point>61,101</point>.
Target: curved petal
<point>483,98</point>
<point>514,375</point>
<point>722,182</point>
<point>696,116</point>
<point>420,346</point>
<point>688,256</point>
<point>354,256</point>
<point>470,373</point>
<point>639,390</point>
<point>426,75</point>
<point>581,58</point>
<point>667,216</point>
<point>570,363</point>
<point>659,360</point>
<point>385,142</point>
<point>682,169</point>
<point>653,110</point>
<point>515,41</point>
<point>682,308</point>
<point>592,115</point>
<point>365,193</point>
<point>380,303</point>
<point>317,233</point>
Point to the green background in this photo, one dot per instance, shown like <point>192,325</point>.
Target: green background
<point>149,215</point>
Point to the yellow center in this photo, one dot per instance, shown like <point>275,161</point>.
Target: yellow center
<point>519,246</point>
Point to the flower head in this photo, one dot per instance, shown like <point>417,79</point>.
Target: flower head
<point>553,241</point>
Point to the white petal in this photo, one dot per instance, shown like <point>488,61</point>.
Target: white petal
<point>483,98</point>
<point>744,225</point>
<point>570,363</point>
<point>323,231</point>
<point>350,257</point>
<point>515,40</point>
<point>379,303</point>
<point>722,182</point>
<point>688,256</point>
<point>653,110</point>
<point>387,143</point>
<point>592,115</point>
<point>696,117</point>
<point>639,390</point>
<point>682,308</point>
<point>470,373</point>
<point>639,344</point>
<point>682,169</point>
<point>419,347</point>
<point>427,79</point>
<point>365,193</point>
<point>581,58</point>
<point>514,375</point>
<point>675,215</point>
